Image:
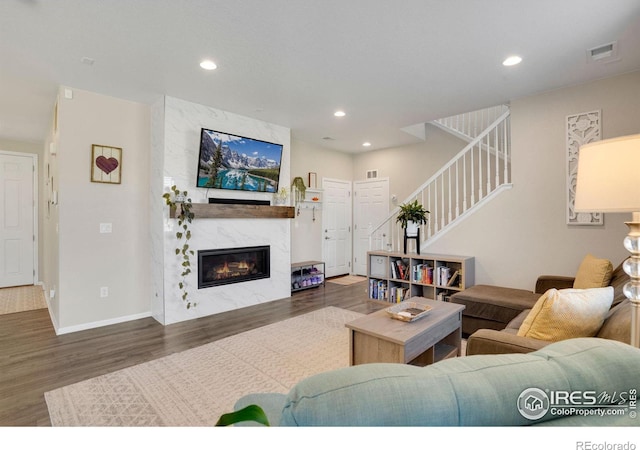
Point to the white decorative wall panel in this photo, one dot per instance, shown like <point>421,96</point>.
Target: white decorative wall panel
<point>581,129</point>
<point>182,122</point>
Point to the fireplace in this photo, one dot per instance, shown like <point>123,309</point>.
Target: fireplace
<point>232,265</point>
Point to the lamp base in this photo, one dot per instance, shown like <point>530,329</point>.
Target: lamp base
<point>635,330</point>
<point>632,268</point>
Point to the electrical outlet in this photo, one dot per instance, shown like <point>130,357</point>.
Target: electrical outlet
<point>104,291</point>
<point>106,228</point>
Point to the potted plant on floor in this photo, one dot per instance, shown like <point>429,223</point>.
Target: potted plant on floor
<point>411,216</point>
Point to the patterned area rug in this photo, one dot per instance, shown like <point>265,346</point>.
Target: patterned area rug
<point>22,298</point>
<point>347,280</point>
<point>194,387</point>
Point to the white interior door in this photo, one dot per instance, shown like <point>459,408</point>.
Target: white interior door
<point>371,206</point>
<point>17,174</point>
<point>336,227</point>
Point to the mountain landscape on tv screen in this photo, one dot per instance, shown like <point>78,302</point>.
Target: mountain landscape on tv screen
<point>232,162</point>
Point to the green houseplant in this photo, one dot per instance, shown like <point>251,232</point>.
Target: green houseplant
<point>300,188</point>
<point>181,202</point>
<point>411,216</point>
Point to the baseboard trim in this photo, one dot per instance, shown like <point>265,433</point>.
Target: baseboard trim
<point>100,323</point>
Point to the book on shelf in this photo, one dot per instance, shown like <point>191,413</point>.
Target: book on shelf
<point>377,289</point>
<point>397,294</point>
<point>454,278</point>
<point>443,273</point>
<point>403,270</point>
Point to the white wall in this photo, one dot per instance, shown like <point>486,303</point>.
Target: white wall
<point>409,166</point>
<point>523,232</point>
<point>88,260</point>
<point>306,234</point>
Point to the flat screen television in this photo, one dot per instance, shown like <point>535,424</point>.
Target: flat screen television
<point>227,161</point>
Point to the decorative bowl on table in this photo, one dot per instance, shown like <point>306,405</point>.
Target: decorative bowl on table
<point>408,311</point>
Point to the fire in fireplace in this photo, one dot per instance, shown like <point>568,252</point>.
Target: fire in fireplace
<point>232,265</point>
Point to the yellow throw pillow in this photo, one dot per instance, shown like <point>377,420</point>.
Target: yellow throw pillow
<point>567,313</point>
<point>593,273</point>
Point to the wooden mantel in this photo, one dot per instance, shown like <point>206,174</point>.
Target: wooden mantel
<point>223,211</point>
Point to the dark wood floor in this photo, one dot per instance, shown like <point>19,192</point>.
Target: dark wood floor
<point>33,360</point>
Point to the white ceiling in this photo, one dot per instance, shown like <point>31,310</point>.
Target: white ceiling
<point>388,63</point>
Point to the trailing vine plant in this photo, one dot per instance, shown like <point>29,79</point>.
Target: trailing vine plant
<point>182,205</point>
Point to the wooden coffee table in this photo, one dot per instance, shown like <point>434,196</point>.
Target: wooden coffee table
<point>377,337</point>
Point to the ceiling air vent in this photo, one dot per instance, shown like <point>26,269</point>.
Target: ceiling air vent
<point>603,53</point>
<point>373,173</point>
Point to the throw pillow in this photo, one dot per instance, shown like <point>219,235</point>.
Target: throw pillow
<point>567,313</point>
<point>593,273</point>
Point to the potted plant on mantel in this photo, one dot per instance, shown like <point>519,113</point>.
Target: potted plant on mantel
<point>411,216</point>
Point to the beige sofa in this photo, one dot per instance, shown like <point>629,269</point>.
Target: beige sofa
<point>617,324</point>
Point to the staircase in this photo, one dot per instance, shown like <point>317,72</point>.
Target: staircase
<point>480,171</point>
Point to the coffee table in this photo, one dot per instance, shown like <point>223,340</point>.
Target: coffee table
<point>377,337</point>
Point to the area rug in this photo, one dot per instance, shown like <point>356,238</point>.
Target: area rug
<point>194,387</point>
<point>347,280</point>
<point>21,298</point>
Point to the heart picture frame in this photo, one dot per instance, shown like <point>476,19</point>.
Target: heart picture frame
<point>106,164</point>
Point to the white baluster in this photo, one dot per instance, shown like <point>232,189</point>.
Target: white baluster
<point>488,164</point>
<point>473,184</point>
<point>480,170</point>
<point>449,195</point>
<point>458,187</point>
<point>497,152</point>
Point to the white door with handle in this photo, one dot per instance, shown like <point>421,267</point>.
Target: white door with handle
<point>17,224</point>
<point>336,227</point>
<point>371,207</point>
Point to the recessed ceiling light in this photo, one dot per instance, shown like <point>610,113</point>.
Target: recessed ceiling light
<point>207,64</point>
<point>366,144</point>
<point>339,114</point>
<point>512,61</point>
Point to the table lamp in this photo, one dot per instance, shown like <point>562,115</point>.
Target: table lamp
<point>609,181</point>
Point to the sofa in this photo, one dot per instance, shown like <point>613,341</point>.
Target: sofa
<point>496,307</point>
<point>482,390</point>
<point>616,326</point>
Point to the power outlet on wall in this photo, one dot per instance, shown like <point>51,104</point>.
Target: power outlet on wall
<point>104,291</point>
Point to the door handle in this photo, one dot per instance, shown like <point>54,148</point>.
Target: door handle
<point>327,238</point>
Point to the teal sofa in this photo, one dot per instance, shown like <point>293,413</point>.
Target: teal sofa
<point>481,390</point>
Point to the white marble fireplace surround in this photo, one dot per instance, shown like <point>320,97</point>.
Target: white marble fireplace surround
<point>176,128</point>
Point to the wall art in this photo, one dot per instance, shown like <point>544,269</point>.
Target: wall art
<point>581,129</point>
<point>106,164</point>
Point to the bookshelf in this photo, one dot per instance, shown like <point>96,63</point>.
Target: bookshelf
<point>394,277</point>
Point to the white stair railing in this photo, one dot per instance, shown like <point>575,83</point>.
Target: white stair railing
<point>470,178</point>
<point>469,125</point>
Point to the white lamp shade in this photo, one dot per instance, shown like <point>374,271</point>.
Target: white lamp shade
<point>609,176</point>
